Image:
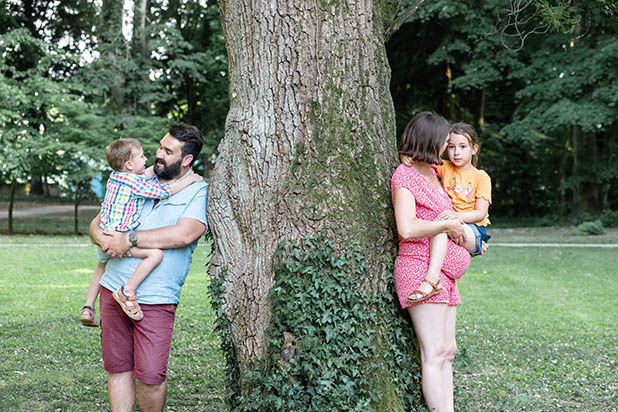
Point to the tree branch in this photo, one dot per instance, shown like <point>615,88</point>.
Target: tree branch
<point>403,17</point>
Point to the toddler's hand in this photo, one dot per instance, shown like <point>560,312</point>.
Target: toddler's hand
<point>195,177</point>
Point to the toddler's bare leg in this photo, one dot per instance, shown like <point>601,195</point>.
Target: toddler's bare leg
<point>151,258</point>
<point>470,243</point>
<point>93,288</point>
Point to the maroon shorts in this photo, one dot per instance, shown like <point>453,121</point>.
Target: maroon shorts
<point>142,347</point>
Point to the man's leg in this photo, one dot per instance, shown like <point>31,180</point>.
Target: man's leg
<point>151,398</point>
<point>153,339</point>
<point>121,387</point>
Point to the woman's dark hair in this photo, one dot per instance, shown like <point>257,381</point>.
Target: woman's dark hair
<point>191,139</point>
<point>424,137</point>
<point>469,133</point>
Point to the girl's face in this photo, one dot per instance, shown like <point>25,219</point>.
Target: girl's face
<point>460,151</point>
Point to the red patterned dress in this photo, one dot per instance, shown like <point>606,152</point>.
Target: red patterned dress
<point>412,261</point>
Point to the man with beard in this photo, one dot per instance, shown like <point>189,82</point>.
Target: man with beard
<point>140,350</point>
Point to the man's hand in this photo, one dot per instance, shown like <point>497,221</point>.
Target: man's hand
<point>117,244</point>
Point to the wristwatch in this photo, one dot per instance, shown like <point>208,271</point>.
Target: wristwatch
<point>133,238</point>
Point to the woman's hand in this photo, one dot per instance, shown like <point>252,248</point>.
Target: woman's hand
<point>456,231</point>
<point>447,215</point>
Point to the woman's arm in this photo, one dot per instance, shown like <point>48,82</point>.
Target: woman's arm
<point>409,226</point>
<point>473,216</point>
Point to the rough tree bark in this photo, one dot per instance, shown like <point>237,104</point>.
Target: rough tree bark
<point>309,147</point>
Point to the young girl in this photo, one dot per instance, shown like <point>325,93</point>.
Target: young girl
<point>470,192</point>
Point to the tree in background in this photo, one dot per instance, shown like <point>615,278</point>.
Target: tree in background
<point>523,110</point>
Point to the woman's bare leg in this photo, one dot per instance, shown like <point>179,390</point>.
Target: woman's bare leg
<point>451,349</point>
<point>430,323</point>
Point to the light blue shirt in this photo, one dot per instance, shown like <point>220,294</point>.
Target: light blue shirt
<point>164,283</point>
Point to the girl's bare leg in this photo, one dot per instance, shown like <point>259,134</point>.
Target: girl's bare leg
<point>437,252</point>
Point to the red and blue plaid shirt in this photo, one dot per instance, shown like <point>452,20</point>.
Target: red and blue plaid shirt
<point>124,200</point>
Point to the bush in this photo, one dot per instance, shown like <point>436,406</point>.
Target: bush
<point>594,227</point>
<point>609,218</point>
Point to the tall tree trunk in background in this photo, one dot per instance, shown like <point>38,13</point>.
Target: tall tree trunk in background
<point>562,170</point>
<point>141,17</point>
<point>309,148</point>
<point>113,42</point>
<point>576,166</point>
<point>590,195</point>
<point>480,118</point>
<point>12,204</point>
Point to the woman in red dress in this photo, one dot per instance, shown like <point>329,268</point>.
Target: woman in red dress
<point>418,199</point>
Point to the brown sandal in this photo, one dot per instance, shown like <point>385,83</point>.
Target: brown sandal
<point>128,304</point>
<point>435,289</point>
<point>89,317</point>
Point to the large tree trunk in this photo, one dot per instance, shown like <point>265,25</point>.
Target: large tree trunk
<point>309,148</point>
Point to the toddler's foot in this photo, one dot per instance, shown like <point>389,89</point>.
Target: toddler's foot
<point>89,317</point>
<point>426,290</point>
<point>128,304</point>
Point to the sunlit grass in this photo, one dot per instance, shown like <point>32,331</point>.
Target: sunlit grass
<point>536,332</point>
<point>49,362</point>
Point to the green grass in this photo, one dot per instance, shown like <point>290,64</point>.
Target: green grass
<point>49,362</point>
<point>536,332</point>
<point>49,224</point>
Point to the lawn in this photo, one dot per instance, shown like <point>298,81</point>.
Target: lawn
<point>536,332</point>
<point>49,362</point>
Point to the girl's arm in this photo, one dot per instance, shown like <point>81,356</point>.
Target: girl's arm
<point>480,211</point>
<point>409,226</point>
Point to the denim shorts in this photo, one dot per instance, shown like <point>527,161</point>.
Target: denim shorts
<point>480,234</point>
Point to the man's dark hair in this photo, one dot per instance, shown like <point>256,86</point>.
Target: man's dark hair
<point>424,137</point>
<point>191,139</point>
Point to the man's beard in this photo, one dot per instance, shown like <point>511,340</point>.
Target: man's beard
<point>167,172</point>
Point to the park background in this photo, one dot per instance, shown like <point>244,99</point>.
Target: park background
<point>537,333</point>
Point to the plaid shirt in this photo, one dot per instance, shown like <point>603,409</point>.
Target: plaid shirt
<point>124,200</point>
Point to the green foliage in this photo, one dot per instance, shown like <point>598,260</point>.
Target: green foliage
<point>546,115</point>
<point>332,345</point>
<point>594,227</point>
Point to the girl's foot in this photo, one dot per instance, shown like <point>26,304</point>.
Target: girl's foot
<point>423,293</point>
<point>128,304</point>
<point>89,317</point>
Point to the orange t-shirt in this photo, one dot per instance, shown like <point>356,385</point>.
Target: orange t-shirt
<point>464,187</point>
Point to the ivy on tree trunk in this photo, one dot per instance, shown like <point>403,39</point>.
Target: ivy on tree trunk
<point>309,149</point>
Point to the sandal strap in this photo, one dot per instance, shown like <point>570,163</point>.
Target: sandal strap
<point>435,286</point>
